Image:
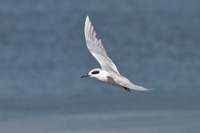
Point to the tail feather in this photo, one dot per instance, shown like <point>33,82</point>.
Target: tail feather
<point>139,88</point>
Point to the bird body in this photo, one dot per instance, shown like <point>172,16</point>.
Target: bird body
<point>108,73</point>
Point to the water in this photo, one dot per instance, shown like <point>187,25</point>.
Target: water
<point>126,122</point>
<point>43,53</point>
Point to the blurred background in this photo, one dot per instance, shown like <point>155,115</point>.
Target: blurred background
<point>43,54</point>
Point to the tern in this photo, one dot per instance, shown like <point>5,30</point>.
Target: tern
<point>108,73</point>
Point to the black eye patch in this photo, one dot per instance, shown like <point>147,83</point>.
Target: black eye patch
<point>95,72</point>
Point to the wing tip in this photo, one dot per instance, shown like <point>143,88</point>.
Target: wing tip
<point>87,25</point>
<point>87,20</point>
<point>87,17</point>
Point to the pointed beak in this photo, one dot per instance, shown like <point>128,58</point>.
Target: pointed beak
<point>84,76</point>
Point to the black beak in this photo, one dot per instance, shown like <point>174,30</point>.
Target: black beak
<point>84,76</point>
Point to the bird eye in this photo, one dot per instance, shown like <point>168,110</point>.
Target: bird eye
<point>95,72</point>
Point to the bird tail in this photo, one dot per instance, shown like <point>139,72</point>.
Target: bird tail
<point>140,88</point>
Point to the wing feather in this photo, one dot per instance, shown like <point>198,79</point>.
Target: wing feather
<point>96,48</point>
<point>124,82</point>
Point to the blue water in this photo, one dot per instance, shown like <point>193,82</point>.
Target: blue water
<point>43,53</point>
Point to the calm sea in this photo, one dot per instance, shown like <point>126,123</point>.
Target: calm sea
<point>43,54</point>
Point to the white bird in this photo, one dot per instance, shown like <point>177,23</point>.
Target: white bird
<point>108,72</point>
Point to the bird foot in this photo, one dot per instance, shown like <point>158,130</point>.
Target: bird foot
<point>127,89</point>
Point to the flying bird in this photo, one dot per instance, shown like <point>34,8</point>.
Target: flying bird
<point>108,73</point>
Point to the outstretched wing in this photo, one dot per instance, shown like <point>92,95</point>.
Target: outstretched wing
<point>124,82</point>
<point>96,48</point>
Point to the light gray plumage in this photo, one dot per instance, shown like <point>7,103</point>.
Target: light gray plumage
<point>109,72</point>
<point>96,48</point>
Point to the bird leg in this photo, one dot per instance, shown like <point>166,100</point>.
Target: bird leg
<point>127,89</point>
